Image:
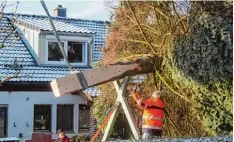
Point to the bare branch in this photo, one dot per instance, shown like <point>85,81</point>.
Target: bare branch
<point>177,15</point>
<point>8,78</point>
<point>152,48</point>
<point>140,41</point>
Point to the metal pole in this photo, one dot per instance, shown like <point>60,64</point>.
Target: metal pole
<point>56,35</point>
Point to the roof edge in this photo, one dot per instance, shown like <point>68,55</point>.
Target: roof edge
<point>26,43</point>
<point>58,17</point>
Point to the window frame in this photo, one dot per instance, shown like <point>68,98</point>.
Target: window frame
<point>50,117</point>
<point>84,129</point>
<point>84,52</point>
<point>72,131</point>
<point>6,120</point>
<point>47,53</point>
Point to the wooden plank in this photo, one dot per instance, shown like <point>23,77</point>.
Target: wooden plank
<point>34,137</point>
<point>47,137</point>
<point>128,113</point>
<point>121,90</point>
<point>41,137</point>
<point>110,124</point>
<point>98,76</point>
<point>127,109</point>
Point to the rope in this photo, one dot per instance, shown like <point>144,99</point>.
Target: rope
<point>107,112</point>
<point>82,80</point>
<point>104,122</point>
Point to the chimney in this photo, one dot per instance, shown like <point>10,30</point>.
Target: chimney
<point>60,11</point>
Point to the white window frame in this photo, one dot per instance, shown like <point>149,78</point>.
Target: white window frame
<point>65,40</point>
<point>84,53</point>
<point>51,118</point>
<point>47,54</point>
<point>7,118</point>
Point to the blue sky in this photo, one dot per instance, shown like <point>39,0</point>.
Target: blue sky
<point>85,9</point>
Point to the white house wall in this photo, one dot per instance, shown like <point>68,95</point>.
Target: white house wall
<point>42,51</point>
<point>21,111</point>
<point>33,38</point>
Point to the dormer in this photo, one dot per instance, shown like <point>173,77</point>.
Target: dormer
<point>78,49</point>
<point>77,40</point>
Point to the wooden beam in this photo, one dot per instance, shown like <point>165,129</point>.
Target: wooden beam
<point>87,97</point>
<point>80,81</point>
<point>121,90</point>
<point>128,113</point>
<point>110,124</point>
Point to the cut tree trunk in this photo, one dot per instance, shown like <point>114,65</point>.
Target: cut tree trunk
<point>80,81</point>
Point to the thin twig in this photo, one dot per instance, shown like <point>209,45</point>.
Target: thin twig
<point>160,12</point>
<point>140,41</point>
<point>177,15</point>
<point>151,46</point>
<point>173,124</point>
<point>8,78</point>
<point>170,88</point>
<point>17,4</point>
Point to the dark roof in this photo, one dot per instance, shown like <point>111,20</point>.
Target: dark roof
<point>41,23</point>
<point>68,25</point>
<point>15,48</point>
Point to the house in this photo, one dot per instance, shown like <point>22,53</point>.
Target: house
<point>29,50</point>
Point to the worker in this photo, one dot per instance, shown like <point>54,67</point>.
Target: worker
<point>152,116</point>
<point>62,136</point>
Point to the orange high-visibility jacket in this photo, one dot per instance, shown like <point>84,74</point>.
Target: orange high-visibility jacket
<point>153,112</point>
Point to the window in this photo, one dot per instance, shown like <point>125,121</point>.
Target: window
<point>3,121</point>
<point>75,51</point>
<point>42,118</point>
<point>84,118</point>
<point>65,117</point>
<point>54,52</point>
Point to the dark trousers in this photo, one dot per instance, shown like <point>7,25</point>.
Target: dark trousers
<point>150,133</point>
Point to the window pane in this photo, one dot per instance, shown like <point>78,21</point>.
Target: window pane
<point>54,52</point>
<point>3,121</point>
<point>65,117</point>
<point>42,117</point>
<point>84,116</point>
<point>75,52</point>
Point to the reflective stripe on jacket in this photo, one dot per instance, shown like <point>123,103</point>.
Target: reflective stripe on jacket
<point>153,111</point>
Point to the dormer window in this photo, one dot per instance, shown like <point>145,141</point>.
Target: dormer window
<point>54,52</point>
<point>76,51</point>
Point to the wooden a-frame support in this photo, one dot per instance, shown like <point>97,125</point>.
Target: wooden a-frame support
<point>121,90</point>
<point>80,81</point>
